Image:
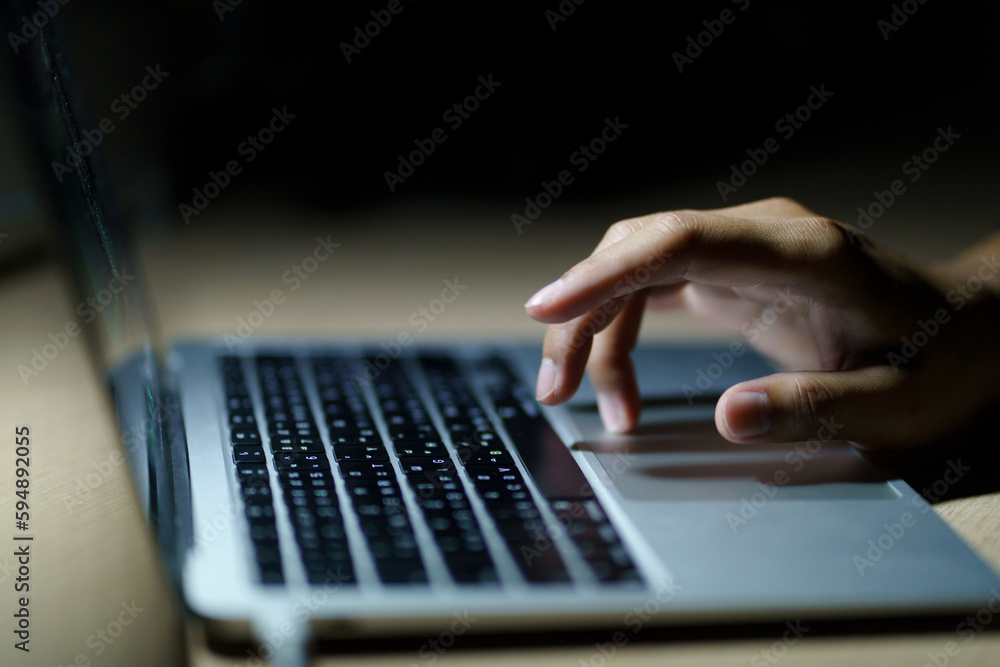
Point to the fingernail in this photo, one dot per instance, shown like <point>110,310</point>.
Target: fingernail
<point>544,295</point>
<point>748,414</point>
<point>612,410</point>
<point>546,379</point>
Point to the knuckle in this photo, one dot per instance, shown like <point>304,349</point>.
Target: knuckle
<point>622,229</point>
<point>681,228</point>
<point>828,238</point>
<point>809,399</point>
<point>780,201</point>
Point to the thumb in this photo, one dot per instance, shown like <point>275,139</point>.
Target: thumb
<point>871,406</point>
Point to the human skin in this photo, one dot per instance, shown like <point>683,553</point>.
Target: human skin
<point>851,306</point>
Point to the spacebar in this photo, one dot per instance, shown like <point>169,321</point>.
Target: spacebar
<point>549,462</point>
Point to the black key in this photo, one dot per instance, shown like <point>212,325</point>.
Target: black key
<point>332,573</point>
<point>263,531</point>
<point>490,477</point>
<point>259,492</point>
<point>484,455</point>
<point>267,553</point>
<point>539,564</point>
<point>301,461</point>
<point>401,571</point>
<point>427,466</point>
<point>510,492</point>
<point>248,454</point>
<point>359,437</point>
<point>243,419</point>
<point>239,404</point>
<point>471,568</point>
<point>513,511</point>
<point>424,448</point>
<point>299,429</point>
<point>271,575</point>
<point>244,436</point>
<point>260,512</point>
<point>400,547</point>
<point>607,572</point>
<point>359,452</point>
<point>246,473</point>
<point>353,472</point>
<point>413,432</point>
<point>372,493</point>
<point>293,444</point>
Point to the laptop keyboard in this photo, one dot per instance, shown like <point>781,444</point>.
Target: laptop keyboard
<point>385,440</point>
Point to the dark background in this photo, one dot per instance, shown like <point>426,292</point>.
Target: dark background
<point>608,59</point>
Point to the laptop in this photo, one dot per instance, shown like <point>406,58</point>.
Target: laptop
<point>347,489</point>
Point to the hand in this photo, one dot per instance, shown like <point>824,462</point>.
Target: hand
<point>847,307</point>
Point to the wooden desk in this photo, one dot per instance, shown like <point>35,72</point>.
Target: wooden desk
<point>92,551</point>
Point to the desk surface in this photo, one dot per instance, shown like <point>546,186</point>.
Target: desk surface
<point>92,562</point>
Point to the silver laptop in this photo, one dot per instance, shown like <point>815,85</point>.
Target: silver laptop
<point>330,488</point>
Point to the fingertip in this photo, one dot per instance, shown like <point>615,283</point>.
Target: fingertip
<point>615,413</point>
<point>543,297</point>
<point>545,388</point>
<point>744,415</point>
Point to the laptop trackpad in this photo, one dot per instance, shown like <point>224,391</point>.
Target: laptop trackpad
<point>671,458</point>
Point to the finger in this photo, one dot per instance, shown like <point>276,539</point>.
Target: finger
<point>566,349</point>
<point>852,405</point>
<point>610,368</point>
<point>732,252</point>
